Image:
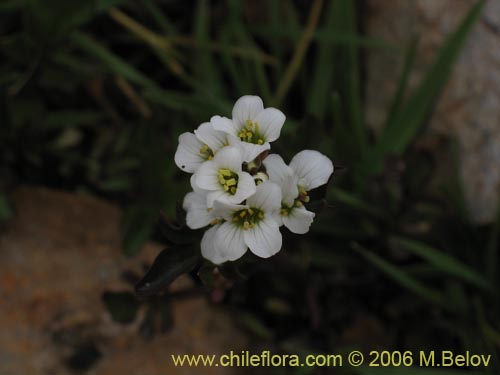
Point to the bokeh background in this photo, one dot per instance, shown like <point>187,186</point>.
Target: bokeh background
<point>403,97</point>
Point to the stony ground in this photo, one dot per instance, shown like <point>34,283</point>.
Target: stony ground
<point>57,257</point>
<point>468,110</point>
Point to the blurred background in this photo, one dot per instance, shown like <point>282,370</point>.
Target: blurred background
<point>402,96</point>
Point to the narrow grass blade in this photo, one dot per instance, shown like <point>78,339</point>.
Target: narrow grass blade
<point>351,70</point>
<point>395,139</point>
<point>398,98</point>
<point>323,70</point>
<point>444,262</point>
<point>399,276</point>
<point>205,68</point>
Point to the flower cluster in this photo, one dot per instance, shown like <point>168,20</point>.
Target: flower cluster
<point>240,191</point>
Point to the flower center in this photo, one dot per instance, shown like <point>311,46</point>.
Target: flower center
<point>228,180</point>
<point>250,133</point>
<point>303,196</point>
<point>247,218</point>
<point>285,209</point>
<point>206,152</point>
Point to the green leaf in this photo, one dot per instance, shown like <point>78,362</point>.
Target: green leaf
<point>324,68</point>
<point>352,201</point>
<point>404,126</point>
<point>351,70</point>
<point>176,233</point>
<point>444,262</point>
<point>398,98</point>
<point>122,306</point>
<point>168,265</point>
<point>401,277</point>
<point>204,64</point>
<point>160,18</point>
<point>114,63</point>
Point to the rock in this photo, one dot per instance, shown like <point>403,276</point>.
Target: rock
<point>468,108</point>
<point>57,257</point>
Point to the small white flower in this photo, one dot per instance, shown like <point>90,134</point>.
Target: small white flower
<point>312,168</point>
<point>223,177</point>
<point>251,226</point>
<point>255,126</point>
<point>198,215</point>
<point>307,170</point>
<point>195,149</point>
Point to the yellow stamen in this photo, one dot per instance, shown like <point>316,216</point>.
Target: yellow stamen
<point>231,182</point>
<point>225,172</point>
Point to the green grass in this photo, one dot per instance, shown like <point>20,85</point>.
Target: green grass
<point>94,94</point>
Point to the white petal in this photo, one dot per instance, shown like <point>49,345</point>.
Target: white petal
<point>194,186</point>
<point>226,210</point>
<point>246,108</point>
<point>270,122</point>
<point>312,168</point>
<point>188,157</point>
<point>265,239</point>
<point>267,197</point>
<point>217,195</point>
<point>233,140</point>
<point>289,189</point>
<point>229,242</point>
<point>198,215</point>
<point>284,176</point>
<point>298,220</point>
<point>207,176</point>
<point>208,249</point>
<point>224,124</point>
<point>250,151</point>
<point>276,167</point>
<point>228,157</point>
<point>211,137</point>
<point>246,188</point>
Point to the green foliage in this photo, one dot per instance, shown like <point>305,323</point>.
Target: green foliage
<point>121,305</point>
<point>93,95</point>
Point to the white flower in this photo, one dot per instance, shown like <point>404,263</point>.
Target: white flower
<point>252,124</point>
<point>195,149</point>
<point>223,177</point>
<point>251,226</point>
<point>198,215</point>
<point>307,170</point>
<point>312,168</point>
